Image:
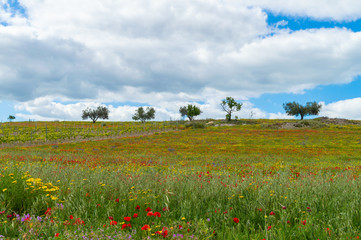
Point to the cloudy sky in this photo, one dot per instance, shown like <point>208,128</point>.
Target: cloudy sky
<point>59,57</point>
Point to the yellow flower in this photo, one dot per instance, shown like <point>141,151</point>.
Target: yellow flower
<point>5,189</point>
<point>183,218</point>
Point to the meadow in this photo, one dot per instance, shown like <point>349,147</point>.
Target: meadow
<point>252,180</point>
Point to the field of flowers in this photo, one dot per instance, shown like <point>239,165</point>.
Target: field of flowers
<point>219,182</point>
<point>39,132</point>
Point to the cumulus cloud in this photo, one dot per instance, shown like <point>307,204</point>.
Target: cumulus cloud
<point>338,10</point>
<point>279,115</point>
<point>167,53</point>
<point>45,108</point>
<point>349,109</point>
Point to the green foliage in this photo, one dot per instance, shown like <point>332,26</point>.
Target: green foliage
<point>144,115</point>
<point>11,117</point>
<point>195,125</point>
<point>101,112</point>
<point>310,124</point>
<point>229,105</point>
<point>190,111</point>
<point>20,193</point>
<point>295,109</point>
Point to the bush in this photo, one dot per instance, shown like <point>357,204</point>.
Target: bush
<point>310,124</point>
<point>195,125</point>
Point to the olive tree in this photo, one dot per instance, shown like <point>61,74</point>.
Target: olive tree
<point>295,109</point>
<point>11,117</point>
<point>190,111</point>
<point>144,115</point>
<point>101,112</point>
<point>229,105</point>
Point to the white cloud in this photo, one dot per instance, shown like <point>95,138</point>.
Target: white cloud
<point>47,108</point>
<point>338,10</point>
<point>167,54</point>
<point>280,116</point>
<point>349,109</point>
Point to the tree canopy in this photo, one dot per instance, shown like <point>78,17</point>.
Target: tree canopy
<point>190,111</point>
<point>101,112</point>
<point>11,117</point>
<point>144,115</point>
<point>229,105</point>
<point>295,109</point>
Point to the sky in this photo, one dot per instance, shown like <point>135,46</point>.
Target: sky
<point>60,57</point>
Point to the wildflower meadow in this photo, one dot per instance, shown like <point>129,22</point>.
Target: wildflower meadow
<point>249,180</point>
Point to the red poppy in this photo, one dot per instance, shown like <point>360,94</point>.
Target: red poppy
<point>304,222</point>
<point>56,234</point>
<point>149,214</point>
<point>165,209</point>
<point>269,227</point>
<point>129,225</point>
<point>111,218</point>
<point>71,217</point>
<point>272,213</point>
<point>148,209</point>
<point>124,225</point>
<point>156,214</point>
<point>165,233</point>
<point>236,220</point>
<point>78,221</point>
<point>2,212</point>
<point>117,200</point>
<point>127,219</point>
<point>113,223</point>
<point>135,215</point>
<point>137,207</point>
<point>48,211</point>
<point>180,226</point>
<point>145,227</point>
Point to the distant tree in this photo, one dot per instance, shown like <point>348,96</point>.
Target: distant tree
<point>229,105</point>
<point>11,117</point>
<point>295,109</point>
<point>190,111</point>
<point>144,115</point>
<point>101,112</point>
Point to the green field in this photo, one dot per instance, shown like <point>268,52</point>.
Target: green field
<point>251,180</point>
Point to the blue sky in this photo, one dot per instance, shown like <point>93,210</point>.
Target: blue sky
<point>168,54</point>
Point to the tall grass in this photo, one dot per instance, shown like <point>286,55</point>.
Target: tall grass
<point>216,183</point>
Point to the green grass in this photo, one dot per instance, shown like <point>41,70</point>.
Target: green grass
<point>278,183</point>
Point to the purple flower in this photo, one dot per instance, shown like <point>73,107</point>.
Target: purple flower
<point>26,218</point>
